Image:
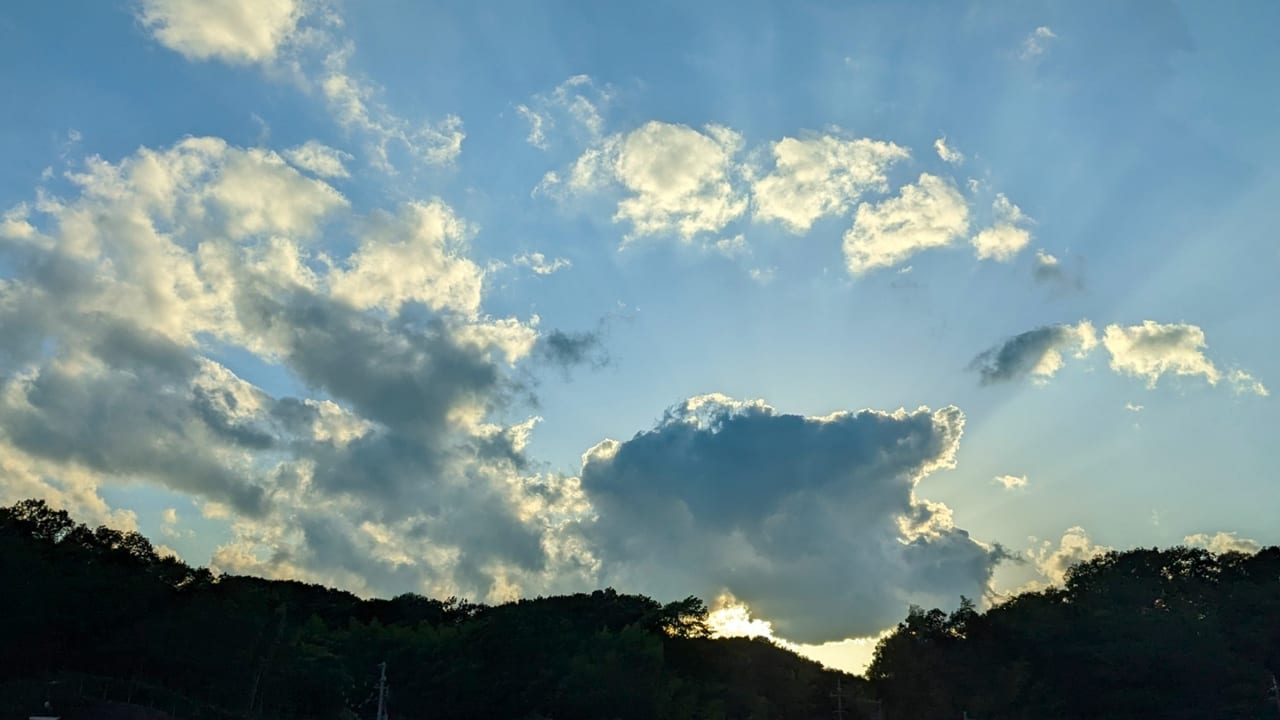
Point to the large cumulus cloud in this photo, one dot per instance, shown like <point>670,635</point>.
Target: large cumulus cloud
<point>812,521</point>
<point>378,465</point>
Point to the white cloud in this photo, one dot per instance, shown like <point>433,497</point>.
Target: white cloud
<point>819,176</point>
<point>1012,482</point>
<point>297,39</point>
<point>537,122</point>
<point>1074,548</point>
<point>234,31</point>
<point>583,100</point>
<point>416,256</point>
<point>1005,238</point>
<point>594,169</point>
<point>947,153</point>
<point>929,214</point>
<point>319,159</point>
<point>1243,382</point>
<point>351,100</point>
<point>732,246</point>
<point>159,227</point>
<point>729,617</point>
<point>1152,349</point>
<point>1223,542</point>
<point>1035,44</point>
<point>678,180</point>
<point>539,264</point>
<point>681,179</point>
<point>259,195</point>
<point>169,526</point>
<point>14,224</point>
<point>577,100</point>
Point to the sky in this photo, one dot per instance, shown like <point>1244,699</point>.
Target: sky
<point>815,310</point>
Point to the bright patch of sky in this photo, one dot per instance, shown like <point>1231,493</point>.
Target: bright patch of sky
<point>741,300</point>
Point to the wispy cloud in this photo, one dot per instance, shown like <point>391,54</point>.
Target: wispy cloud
<point>318,158</point>
<point>539,264</point>
<point>947,153</point>
<point>1011,482</point>
<point>293,38</point>
<point>575,107</point>
<point>1036,43</point>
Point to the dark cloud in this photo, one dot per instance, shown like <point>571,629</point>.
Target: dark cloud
<point>402,374</point>
<point>216,407</point>
<point>1049,270</point>
<point>1033,352</point>
<point>109,394</point>
<point>122,345</point>
<point>128,424</point>
<point>567,350</point>
<point>811,521</point>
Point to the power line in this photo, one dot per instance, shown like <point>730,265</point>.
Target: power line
<point>382,692</point>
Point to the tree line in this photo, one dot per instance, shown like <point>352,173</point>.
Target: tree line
<point>1176,634</point>
<point>80,602</point>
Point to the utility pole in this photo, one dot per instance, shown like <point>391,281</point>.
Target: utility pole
<point>839,696</point>
<point>267,656</point>
<point>382,692</point>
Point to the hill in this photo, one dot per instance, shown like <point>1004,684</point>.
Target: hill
<point>97,620</point>
<point>102,616</point>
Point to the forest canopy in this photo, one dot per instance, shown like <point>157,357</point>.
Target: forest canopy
<point>98,614</point>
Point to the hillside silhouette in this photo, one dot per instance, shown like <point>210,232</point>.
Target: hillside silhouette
<point>96,614</point>
<point>100,625</point>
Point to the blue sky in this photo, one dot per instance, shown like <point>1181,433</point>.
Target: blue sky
<point>509,299</point>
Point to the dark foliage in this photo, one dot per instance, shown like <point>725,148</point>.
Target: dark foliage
<point>102,613</point>
<point>1177,634</point>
